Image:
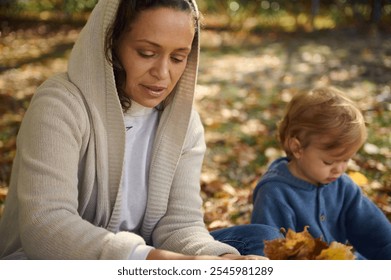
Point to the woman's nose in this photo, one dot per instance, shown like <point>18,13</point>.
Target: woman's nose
<point>161,68</point>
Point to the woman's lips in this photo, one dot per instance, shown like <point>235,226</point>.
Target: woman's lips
<point>155,91</point>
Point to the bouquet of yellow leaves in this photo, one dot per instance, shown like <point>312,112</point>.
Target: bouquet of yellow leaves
<point>302,246</point>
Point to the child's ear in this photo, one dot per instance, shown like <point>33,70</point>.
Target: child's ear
<point>295,147</point>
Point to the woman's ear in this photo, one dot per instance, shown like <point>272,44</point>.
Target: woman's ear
<point>295,147</point>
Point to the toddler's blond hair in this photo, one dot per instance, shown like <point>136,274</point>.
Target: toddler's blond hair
<point>322,112</point>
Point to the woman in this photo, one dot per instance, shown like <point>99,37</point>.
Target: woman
<point>109,154</point>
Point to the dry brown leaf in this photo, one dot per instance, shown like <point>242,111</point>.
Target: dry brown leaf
<point>302,246</point>
<point>3,193</point>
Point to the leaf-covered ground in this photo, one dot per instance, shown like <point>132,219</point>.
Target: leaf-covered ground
<point>244,84</point>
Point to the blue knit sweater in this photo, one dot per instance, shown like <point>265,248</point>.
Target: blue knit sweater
<point>335,212</point>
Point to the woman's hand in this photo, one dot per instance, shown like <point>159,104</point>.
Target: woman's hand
<point>243,257</point>
<point>157,254</point>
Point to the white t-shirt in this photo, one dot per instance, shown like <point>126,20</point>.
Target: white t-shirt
<point>141,124</point>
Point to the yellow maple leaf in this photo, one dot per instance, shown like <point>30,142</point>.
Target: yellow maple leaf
<point>336,251</point>
<point>358,178</point>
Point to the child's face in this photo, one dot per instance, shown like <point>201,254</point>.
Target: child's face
<point>318,166</point>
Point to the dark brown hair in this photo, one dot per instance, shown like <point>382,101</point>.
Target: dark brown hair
<point>126,14</point>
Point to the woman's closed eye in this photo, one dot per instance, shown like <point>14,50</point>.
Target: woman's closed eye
<point>178,58</point>
<point>146,54</point>
<point>174,58</point>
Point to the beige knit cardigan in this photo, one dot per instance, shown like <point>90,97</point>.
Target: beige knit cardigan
<point>65,197</point>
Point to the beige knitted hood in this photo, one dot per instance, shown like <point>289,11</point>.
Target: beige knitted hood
<point>90,71</point>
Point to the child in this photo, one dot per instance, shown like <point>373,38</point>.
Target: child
<point>321,130</point>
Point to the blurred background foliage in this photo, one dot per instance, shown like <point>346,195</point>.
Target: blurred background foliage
<point>34,6</point>
<point>237,14</point>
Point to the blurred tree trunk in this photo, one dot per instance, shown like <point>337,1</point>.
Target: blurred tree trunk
<point>315,5</point>
<point>5,4</point>
<point>376,11</point>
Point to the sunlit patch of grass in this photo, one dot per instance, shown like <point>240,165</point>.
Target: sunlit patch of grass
<point>378,152</point>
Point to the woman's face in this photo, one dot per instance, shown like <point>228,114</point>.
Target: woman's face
<point>154,53</point>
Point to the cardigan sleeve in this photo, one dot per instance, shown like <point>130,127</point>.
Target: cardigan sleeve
<point>49,151</point>
<point>182,228</point>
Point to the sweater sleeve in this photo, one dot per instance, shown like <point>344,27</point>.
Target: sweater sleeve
<point>182,229</point>
<point>368,229</point>
<point>49,149</point>
<point>270,208</point>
